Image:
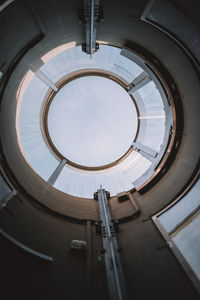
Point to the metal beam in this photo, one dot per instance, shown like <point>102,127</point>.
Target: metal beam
<point>145,151</point>
<point>7,198</point>
<point>89,261</point>
<point>90,18</point>
<point>39,74</point>
<point>25,248</point>
<point>151,117</point>
<point>114,272</point>
<point>52,179</point>
<point>5,4</point>
<point>92,42</point>
<point>138,82</point>
<point>146,9</point>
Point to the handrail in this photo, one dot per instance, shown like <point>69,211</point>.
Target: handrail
<point>26,248</point>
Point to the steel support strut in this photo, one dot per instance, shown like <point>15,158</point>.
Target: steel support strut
<point>91,15</point>
<point>114,272</point>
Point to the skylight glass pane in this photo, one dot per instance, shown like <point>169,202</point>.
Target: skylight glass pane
<point>152,116</point>
<point>82,184</point>
<point>150,102</point>
<point>134,171</point>
<point>107,58</point>
<point>151,133</point>
<point>115,180</point>
<point>91,125</point>
<point>39,156</point>
<point>127,69</point>
<point>37,153</point>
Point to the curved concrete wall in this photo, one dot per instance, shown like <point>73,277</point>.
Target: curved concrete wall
<point>150,268</point>
<point>118,28</point>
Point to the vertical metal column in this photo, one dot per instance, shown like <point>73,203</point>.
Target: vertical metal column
<point>114,272</point>
<point>89,261</point>
<point>90,15</point>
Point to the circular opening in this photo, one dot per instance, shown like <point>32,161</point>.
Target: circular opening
<point>89,122</point>
<point>92,121</point>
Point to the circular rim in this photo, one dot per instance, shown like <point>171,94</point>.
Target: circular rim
<point>50,97</point>
<point>171,91</point>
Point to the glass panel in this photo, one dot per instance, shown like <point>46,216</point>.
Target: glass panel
<point>150,102</point>
<point>137,168</point>
<point>152,116</point>
<point>93,125</point>
<point>115,180</point>
<point>177,213</point>
<point>37,153</point>
<point>107,58</point>
<point>151,133</point>
<point>188,242</point>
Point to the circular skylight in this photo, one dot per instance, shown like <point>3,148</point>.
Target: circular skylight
<point>92,121</point>
<point>83,122</point>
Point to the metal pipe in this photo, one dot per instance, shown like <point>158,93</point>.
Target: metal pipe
<point>91,25</point>
<point>110,239</point>
<point>52,179</point>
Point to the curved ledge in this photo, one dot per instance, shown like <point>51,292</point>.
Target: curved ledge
<point>189,49</point>
<point>28,250</point>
